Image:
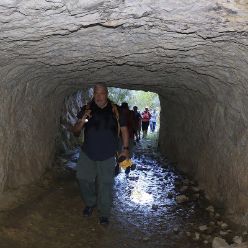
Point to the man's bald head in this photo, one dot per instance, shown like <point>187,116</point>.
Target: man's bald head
<point>101,95</point>
<point>102,86</point>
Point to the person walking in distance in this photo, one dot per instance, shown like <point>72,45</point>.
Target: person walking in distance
<point>101,122</point>
<point>137,123</point>
<point>153,120</point>
<point>146,116</point>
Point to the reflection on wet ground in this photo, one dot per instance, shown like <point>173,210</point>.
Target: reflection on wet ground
<point>162,206</point>
<point>145,200</point>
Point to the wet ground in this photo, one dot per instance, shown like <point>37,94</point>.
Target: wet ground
<point>154,206</point>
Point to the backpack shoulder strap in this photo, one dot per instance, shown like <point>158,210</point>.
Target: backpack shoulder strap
<point>115,111</point>
<point>87,106</point>
<point>117,116</point>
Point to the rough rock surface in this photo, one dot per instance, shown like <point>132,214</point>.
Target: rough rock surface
<point>193,53</point>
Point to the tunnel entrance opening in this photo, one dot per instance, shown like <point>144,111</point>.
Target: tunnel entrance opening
<point>68,146</point>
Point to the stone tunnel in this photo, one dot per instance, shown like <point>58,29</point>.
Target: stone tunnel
<point>193,54</point>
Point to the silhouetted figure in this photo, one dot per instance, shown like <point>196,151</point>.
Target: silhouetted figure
<point>129,116</point>
<point>137,123</point>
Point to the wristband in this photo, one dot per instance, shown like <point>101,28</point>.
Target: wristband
<point>125,148</point>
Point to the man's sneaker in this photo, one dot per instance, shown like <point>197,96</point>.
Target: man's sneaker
<point>127,170</point>
<point>103,221</point>
<point>88,211</point>
<point>133,166</point>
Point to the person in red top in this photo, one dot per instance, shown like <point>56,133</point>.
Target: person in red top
<point>146,116</point>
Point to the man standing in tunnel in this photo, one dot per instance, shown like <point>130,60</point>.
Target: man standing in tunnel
<point>101,123</point>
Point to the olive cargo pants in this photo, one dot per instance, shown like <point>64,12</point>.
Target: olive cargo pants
<point>96,180</point>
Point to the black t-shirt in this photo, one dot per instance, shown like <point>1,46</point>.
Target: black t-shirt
<point>101,132</point>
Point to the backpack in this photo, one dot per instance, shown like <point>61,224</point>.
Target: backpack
<point>114,110</point>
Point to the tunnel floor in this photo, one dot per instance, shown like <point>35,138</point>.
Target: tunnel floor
<point>148,212</point>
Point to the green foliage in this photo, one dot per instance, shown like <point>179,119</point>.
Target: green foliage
<point>118,95</point>
<point>139,98</point>
<point>144,99</point>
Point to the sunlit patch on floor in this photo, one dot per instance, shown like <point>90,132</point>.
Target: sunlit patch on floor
<point>139,195</point>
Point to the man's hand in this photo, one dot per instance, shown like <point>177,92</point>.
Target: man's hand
<point>76,129</point>
<point>86,116</point>
<point>124,153</point>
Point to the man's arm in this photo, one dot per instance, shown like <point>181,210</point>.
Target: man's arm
<point>125,141</point>
<point>76,129</point>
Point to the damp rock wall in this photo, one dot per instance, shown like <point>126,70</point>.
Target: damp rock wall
<point>206,136</point>
<point>28,124</point>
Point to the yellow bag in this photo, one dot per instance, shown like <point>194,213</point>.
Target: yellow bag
<point>126,163</point>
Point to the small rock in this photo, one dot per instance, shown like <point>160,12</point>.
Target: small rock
<point>223,233</point>
<point>242,245</point>
<point>188,234</point>
<point>175,230</point>
<point>205,242</point>
<point>223,225</point>
<point>170,195</point>
<point>195,189</point>
<point>217,215</point>
<point>211,214</point>
<point>197,236</point>
<point>203,228</point>
<point>181,198</point>
<point>237,240</point>
<point>210,209</point>
<point>219,243</point>
<point>245,233</point>
<point>146,238</point>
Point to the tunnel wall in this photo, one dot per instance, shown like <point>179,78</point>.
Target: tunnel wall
<point>206,135</point>
<point>29,120</point>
